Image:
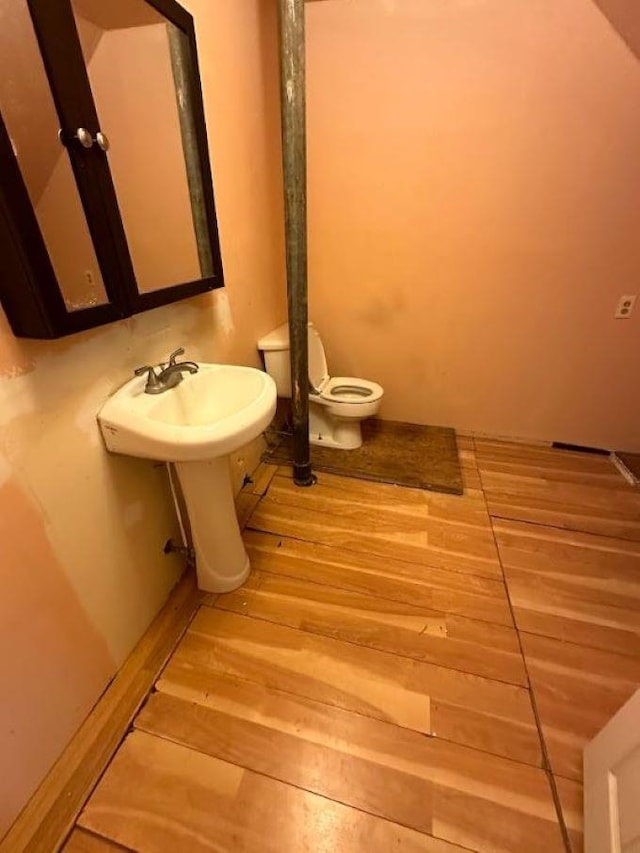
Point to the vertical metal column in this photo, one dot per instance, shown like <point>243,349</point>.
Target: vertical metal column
<point>294,160</point>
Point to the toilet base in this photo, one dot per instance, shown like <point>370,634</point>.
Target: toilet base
<point>328,431</point>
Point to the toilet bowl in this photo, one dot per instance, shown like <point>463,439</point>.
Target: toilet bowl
<point>337,405</point>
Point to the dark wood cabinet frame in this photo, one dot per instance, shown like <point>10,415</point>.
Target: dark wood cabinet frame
<point>29,290</point>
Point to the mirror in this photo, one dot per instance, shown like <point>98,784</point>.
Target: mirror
<point>31,120</point>
<point>106,197</point>
<point>135,59</point>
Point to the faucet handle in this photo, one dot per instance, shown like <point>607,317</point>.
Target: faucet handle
<point>174,355</point>
<point>152,379</point>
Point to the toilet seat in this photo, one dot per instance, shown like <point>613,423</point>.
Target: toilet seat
<point>352,390</point>
<point>348,394</point>
<point>347,397</point>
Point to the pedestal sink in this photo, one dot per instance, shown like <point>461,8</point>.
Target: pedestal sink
<point>197,425</point>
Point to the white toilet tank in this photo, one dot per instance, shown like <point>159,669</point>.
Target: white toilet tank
<point>275,349</point>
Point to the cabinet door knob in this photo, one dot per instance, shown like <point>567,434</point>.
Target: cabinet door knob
<point>101,139</point>
<point>84,137</point>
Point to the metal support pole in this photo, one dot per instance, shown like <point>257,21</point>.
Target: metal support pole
<point>294,160</point>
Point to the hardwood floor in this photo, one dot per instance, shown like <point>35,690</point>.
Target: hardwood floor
<point>432,530</point>
<point>402,671</point>
<point>479,712</point>
<point>191,801</point>
<point>475,596</point>
<point>570,796</point>
<point>573,586</point>
<point>576,491</point>
<point>577,689</point>
<point>81,841</point>
<point>386,771</point>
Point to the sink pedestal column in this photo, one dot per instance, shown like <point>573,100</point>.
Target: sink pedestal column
<point>221,560</point>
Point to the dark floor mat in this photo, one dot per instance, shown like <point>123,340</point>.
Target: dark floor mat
<point>422,457</point>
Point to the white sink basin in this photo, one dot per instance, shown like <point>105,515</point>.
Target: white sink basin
<point>209,414</point>
<point>196,425</point>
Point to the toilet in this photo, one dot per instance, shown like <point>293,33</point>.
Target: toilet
<point>337,405</point>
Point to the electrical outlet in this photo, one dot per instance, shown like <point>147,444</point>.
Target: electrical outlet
<point>625,306</point>
<point>88,277</point>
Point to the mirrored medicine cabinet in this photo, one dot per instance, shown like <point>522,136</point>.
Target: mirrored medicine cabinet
<point>106,196</point>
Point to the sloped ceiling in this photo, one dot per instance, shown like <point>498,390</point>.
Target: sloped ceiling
<point>117,14</point>
<point>624,16</point>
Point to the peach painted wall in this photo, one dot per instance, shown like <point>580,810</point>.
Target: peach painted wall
<point>473,205</point>
<point>81,531</point>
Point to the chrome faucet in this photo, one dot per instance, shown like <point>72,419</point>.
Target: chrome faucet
<point>170,374</point>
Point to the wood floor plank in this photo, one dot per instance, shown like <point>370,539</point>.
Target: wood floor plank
<point>433,636</point>
<point>606,570</point>
<point>484,714</point>
<point>394,497</point>
<point>382,769</point>
<point>573,586</point>
<point>570,794</point>
<point>261,478</point>
<point>159,796</point>
<point>468,465</point>
<point>442,531</point>
<point>464,442</point>
<point>81,841</point>
<point>335,493</point>
<point>322,750</point>
<point>473,596</point>
<point>586,508</point>
<point>454,813</point>
<point>577,690</point>
<point>471,482</point>
<point>554,463</point>
<point>575,491</point>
